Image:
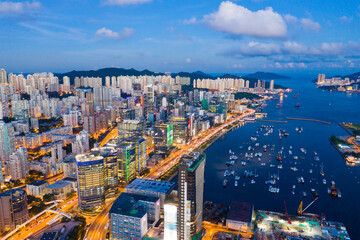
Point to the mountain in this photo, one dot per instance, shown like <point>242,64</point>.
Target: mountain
<point>266,75</point>
<point>105,72</point>
<point>133,72</point>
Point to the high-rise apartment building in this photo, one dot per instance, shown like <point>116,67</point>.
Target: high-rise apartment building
<point>191,193</point>
<point>19,165</point>
<point>91,181</point>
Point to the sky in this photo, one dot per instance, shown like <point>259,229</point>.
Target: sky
<point>239,36</point>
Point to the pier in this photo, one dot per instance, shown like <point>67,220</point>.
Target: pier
<point>274,121</point>
<point>310,120</point>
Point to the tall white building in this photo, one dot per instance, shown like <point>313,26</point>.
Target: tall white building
<point>66,84</point>
<point>3,76</point>
<point>19,165</point>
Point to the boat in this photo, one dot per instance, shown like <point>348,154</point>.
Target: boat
<point>304,194</point>
<point>257,144</point>
<point>236,183</point>
<point>272,165</point>
<point>237,177</point>
<point>314,192</point>
<point>324,181</point>
<point>225,182</point>
<point>297,105</point>
<point>310,171</point>
<point>294,169</point>
<point>300,180</point>
<point>278,158</point>
<point>279,166</point>
<point>252,181</point>
<point>295,96</point>
<point>333,191</point>
<point>265,148</point>
<point>303,150</point>
<point>277,105</point>
<point>322,170</point>
<point>243,184</point>
<point>294,186</point>
<point>274,189</point>
<point>290,152</point>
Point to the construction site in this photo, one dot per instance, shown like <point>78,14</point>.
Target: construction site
<point>274,226</point>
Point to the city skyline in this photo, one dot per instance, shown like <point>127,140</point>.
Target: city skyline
<point>214,37</point>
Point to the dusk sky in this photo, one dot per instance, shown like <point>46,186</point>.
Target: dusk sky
<point>212,36</point>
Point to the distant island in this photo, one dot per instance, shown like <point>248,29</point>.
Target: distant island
<point>266,75</point>
<point>192,75</point>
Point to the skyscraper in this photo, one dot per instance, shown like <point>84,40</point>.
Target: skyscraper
<point>91,181</point>
<point>7,145</point>
<point>140,152</point>
<point>111,169</point>
<point>191,193</point>
<point>126,161</point>
<point>272,85</point>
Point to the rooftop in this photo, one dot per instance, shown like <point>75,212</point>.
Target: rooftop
<point>59,184</point>
<point>37,183</point>
<point>151,185</point>
<point>240,211</point>
<point>127,204</point>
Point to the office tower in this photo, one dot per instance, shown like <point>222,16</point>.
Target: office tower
<point>19,165</point>
<point>13,208</point>
<point>128,128</point>
<point>271,85</point>
<point>180,128</point>
<point>3,76</point>
<point>126,161</point>
<point>131,215</point>
<point>163,137</point>
<point>91,181</point>
<point>140,152</point>
<point>191,191</point>
<point>111,169</point>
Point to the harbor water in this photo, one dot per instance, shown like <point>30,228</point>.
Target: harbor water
<point>314,103</point>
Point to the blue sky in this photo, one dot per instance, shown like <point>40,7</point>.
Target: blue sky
<point>212,36</point>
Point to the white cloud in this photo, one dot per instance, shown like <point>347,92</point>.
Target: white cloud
<point>188,60</point>
<point>107,33</point>
<point>286,65</point>
<point>307,23</point>
<point>18,8</point>
<point>291,48</point>
<point>192,20</point>
<point>345,19</point>
<point>236,19</point>
<point>125,2</point>
<point>290,19</point>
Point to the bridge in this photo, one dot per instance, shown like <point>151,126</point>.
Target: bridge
<point>49,209</point>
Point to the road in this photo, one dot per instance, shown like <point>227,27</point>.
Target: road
<point>98,227</point>
<point>211,229</point>
<point>98,230</point>
<point>42,221</point>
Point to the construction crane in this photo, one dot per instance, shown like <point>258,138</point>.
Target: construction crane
<point>300,210</point>
<point>287,214</point>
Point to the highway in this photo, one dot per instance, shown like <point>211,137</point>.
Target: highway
<point>99,226</point>
<point>195,143</point>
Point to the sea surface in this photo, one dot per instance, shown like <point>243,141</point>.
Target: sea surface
<point>314,103</point>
